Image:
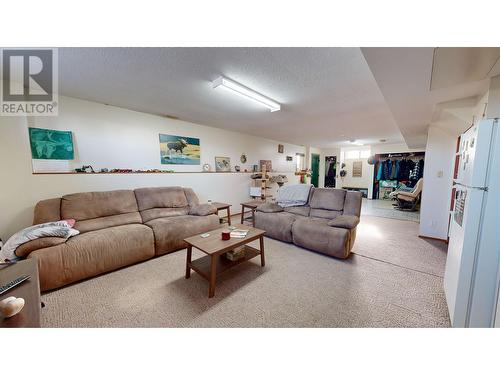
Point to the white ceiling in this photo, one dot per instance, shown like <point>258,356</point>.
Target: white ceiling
<point>328,95</point>
<point>404,77</point>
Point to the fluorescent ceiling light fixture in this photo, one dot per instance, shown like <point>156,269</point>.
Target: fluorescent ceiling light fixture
<point>238,89</point>
<point>356,143</point>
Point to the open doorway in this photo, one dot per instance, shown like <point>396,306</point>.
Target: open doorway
<point>330,171</point>
<point>315,169</point>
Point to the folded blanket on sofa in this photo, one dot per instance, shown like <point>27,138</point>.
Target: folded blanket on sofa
<point>293,195</point>
<point>61,228</point>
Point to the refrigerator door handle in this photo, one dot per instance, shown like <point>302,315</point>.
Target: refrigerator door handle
<point>483,188</point>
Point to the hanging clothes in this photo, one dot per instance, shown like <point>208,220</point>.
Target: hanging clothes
<point>417,171</point>
<point>393,170</point>
<point>379,172</point>
<point>421,167</point>
<point>406,167</point>
<point>389,169</point>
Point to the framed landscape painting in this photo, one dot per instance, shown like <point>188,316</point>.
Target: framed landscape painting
<point>51,144</point>
<point>175,149</point>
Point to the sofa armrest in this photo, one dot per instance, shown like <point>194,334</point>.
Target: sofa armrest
<point>344,221</point>
<point>269,208</point>
<point>26,248</point>
<point>203,209</point>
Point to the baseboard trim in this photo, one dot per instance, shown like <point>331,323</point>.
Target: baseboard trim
<point>433,238</point>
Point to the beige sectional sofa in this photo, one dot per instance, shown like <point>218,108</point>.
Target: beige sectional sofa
<point>327,224</point>
<point>117,228</point>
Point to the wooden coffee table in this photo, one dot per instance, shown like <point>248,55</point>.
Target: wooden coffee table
<point>29,290</point>
<point>214,262</point>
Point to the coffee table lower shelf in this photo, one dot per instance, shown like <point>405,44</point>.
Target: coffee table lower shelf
<point>202,265</point>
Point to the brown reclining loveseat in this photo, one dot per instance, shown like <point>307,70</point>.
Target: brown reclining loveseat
<point>326,224</point>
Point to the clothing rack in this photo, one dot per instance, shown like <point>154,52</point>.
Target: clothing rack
<point>402,155</point>
<point>409,176</point>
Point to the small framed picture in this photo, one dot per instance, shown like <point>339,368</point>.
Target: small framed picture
<point>281,149</point>
<point>222,164</point>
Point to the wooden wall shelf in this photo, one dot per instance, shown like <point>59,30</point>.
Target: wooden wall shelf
<point>134,173</point>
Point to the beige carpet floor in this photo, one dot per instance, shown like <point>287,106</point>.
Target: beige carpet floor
<point>397,242</point>
<point>297,288</point>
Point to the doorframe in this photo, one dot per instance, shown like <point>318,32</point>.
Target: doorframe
<point>313,170</point>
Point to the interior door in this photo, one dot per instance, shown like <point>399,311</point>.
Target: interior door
<point>314,169</point>
<point>330,171</point>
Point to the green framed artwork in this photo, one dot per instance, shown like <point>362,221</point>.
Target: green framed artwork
<point>51,144</point>
<point>175,149</point>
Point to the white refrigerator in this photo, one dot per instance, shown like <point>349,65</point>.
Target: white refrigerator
<point>471,281</point>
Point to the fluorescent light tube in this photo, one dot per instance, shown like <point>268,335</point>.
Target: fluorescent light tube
<point>238,89</point>
<point>356,143</point>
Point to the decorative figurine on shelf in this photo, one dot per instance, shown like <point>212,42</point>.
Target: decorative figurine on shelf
<point>237,168</point>
<point>85,169</point>
<point>206,167</point>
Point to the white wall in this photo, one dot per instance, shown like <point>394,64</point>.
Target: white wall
<point>366,176</point>
<point>111,137</point>
<point>438,179</point>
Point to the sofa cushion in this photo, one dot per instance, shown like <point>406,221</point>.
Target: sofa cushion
<point>26,248</point>
<point>277,225</point>
<point>191,197</point>
<point>170,231</point>
<point>203,210</point>
<point>155,213</point>
<point>47,210</point>
<point>318,236</point>
<point>352,205</point>
<point>344,221</point>
<point>270,207</point>
<point>328,199</point>
<point>93,253</point>
<point>108,221</point>
<point>84,206</point>
<point>161,197</point>
<point>324,214</point>
<point>299,210</point>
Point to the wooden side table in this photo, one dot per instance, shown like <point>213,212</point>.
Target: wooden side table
<point>29,290</point>
<point>223,206</point>
<point>252,205</point>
